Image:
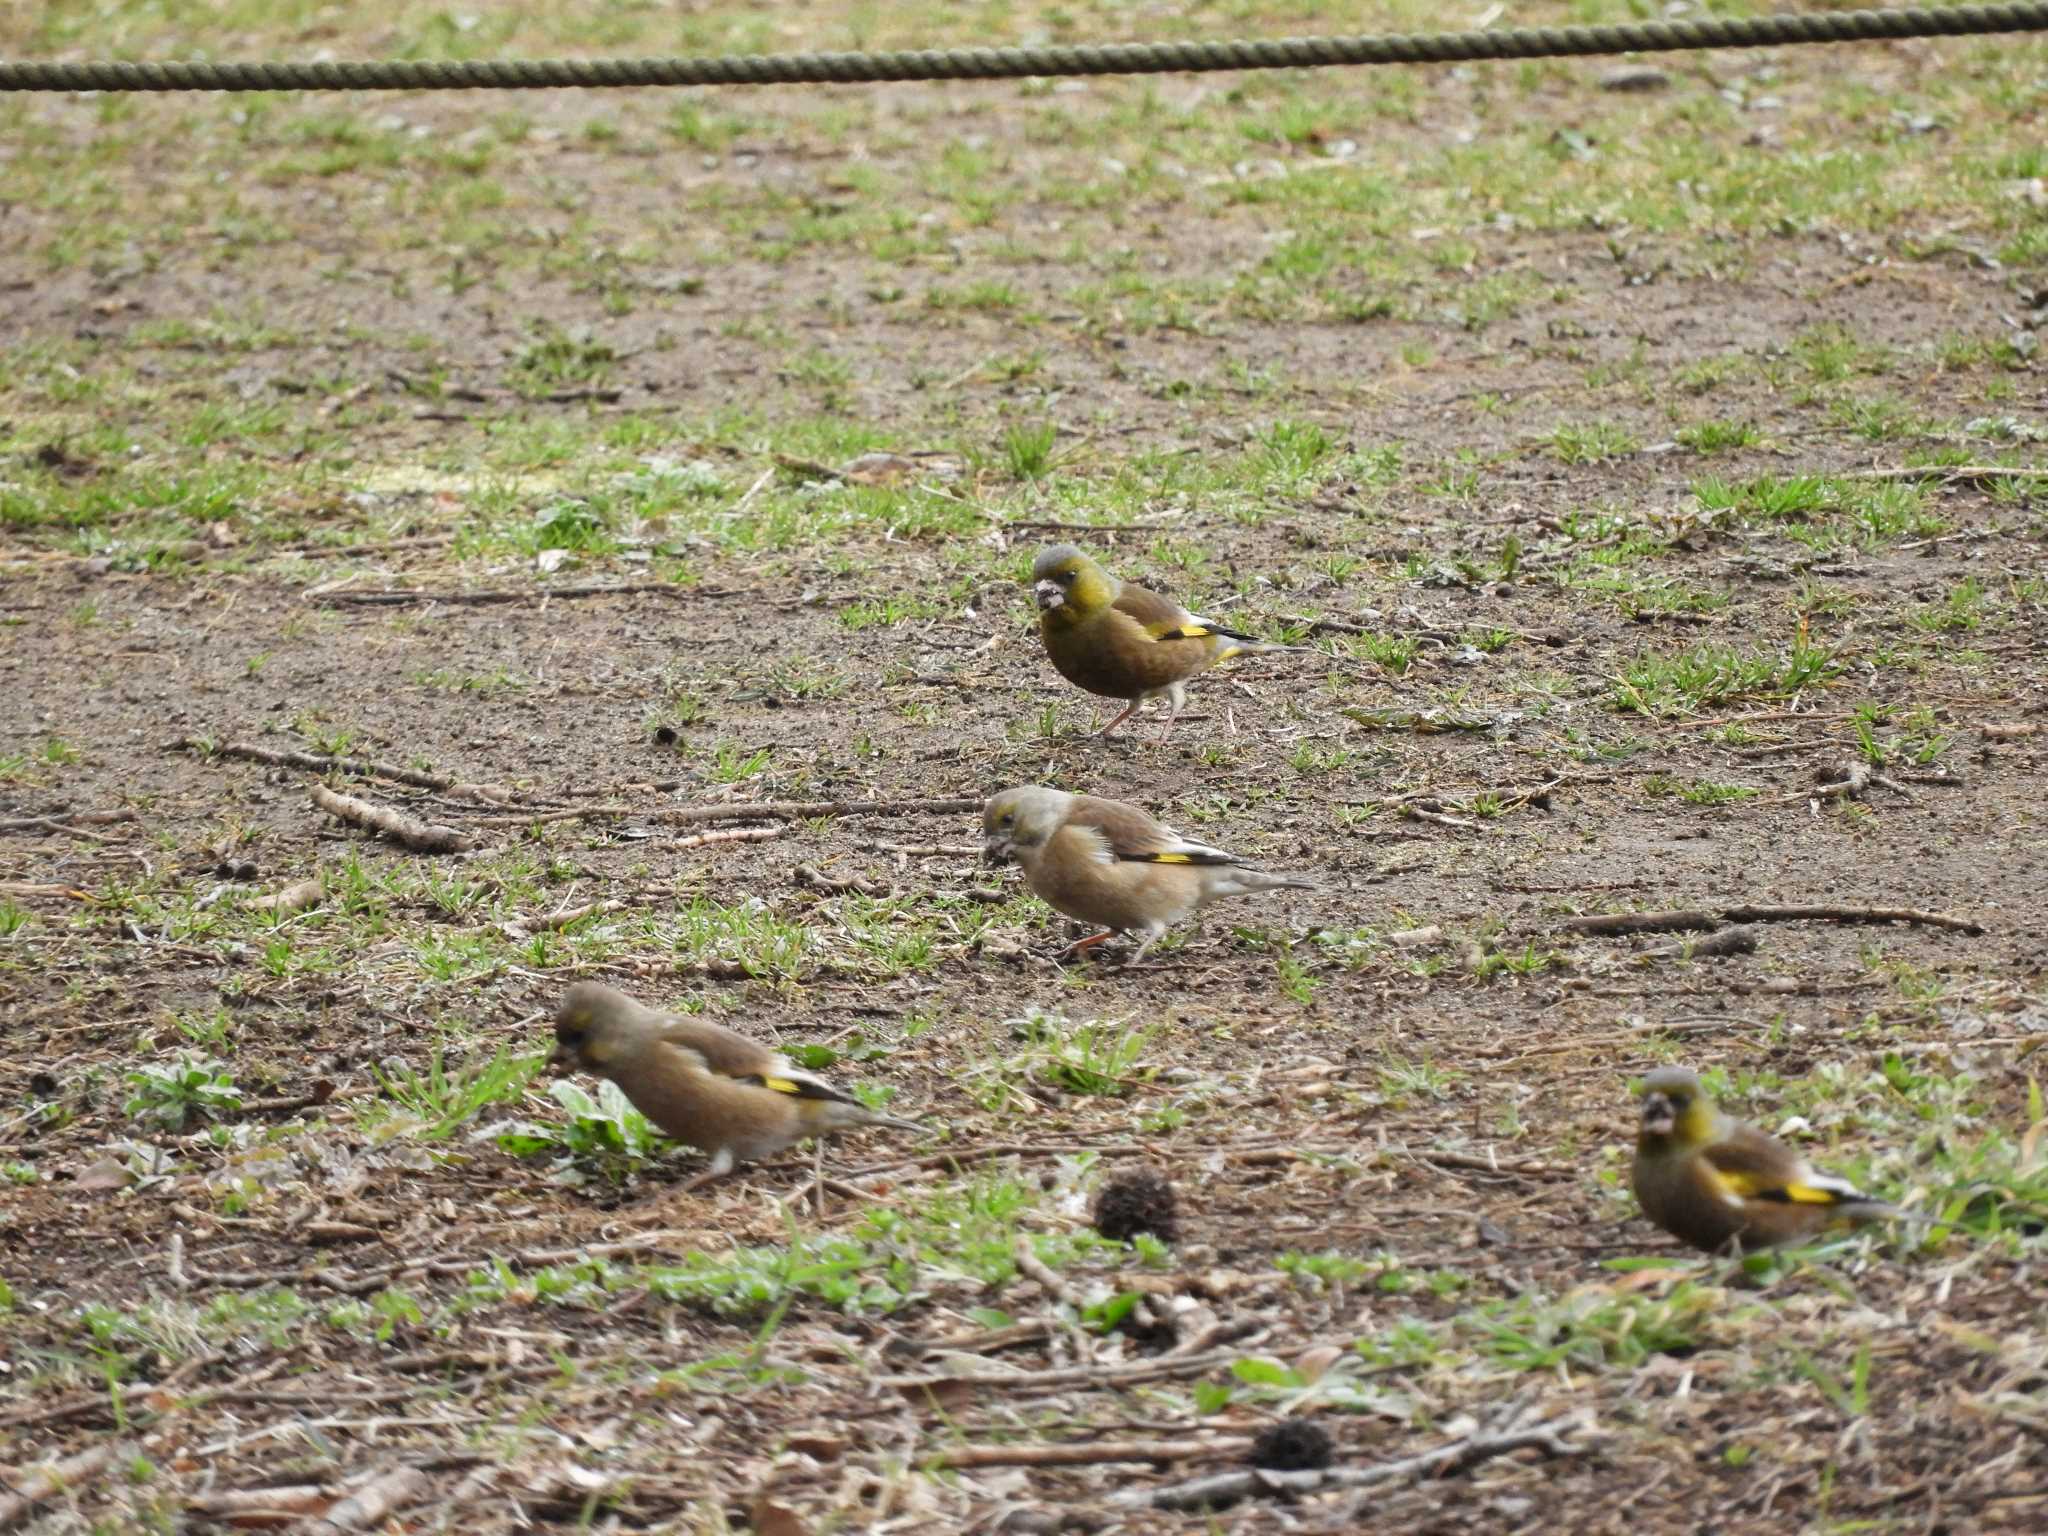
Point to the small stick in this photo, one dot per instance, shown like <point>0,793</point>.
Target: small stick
<point>54,1477</point>
<point>391,597</point>
<point>1159,1368</point>
<point>1491,1165</point>
<point>1851,915</point>
<point>2015,731</point>
<point>730,835</point>
<point>420,836</point>
<point>811,875</point>
<point>293,898</point>
<point>1950,474</point>
<point>374,1502</point>
<point>1089,1454</point>
<point>805,810</point>
<point>1677,922</point>
<point>554,922</point>
<point>262,1508</point>
<point>361,768</point>
<point>1610,923</point>
<point>1729,941</point>
<point>1227,1488</point>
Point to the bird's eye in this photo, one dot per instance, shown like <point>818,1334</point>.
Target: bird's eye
<point>1066,578</point>
<point>1005,819</point>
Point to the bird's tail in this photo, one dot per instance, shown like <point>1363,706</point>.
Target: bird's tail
<point>1236,880</point>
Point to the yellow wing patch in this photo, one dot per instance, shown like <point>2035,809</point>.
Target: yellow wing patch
<point>783,1085</point>
<point>1807,1194</point>
<point>1750,1186</point>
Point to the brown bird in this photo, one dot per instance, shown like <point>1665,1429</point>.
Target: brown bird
<point>1723,1186</point>
<point>1122,641</point>
<point>701,1083</point>
<point>1111,864</point>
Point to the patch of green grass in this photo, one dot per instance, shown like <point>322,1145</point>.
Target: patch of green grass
<point>1692,680</point>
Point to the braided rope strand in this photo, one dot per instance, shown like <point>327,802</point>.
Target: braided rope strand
<point>1014,63</point>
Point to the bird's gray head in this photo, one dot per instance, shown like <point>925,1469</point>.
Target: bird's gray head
<point>1024,817</point>
<point>1054,573</point>
<point>1670,1096</point>
<point>594,1025</point>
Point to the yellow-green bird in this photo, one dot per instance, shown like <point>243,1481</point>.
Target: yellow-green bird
<point>1122,641</point>
<point>1709,1180</point>
<point>703,1084</point>
<point>1111,864</point>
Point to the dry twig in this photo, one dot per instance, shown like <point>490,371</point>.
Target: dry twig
<point>1514,1433</point>
<point>1727,941</point>
<point>1083,1453</point>
<point>397,596</point>
<point>420,836</point>
<point>49,1480</point>
<point>374,1502</point>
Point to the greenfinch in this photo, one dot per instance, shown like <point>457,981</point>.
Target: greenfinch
<point>1112,865</point>
<point>1723,1186</point>
<point>701,1083</point>
<point>1122,641</point>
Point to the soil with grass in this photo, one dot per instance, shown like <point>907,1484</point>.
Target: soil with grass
<point>1650,480</point>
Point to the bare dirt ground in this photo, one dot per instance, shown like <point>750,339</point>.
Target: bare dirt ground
<point>1636,463</point>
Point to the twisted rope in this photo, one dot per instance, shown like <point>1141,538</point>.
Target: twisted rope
<point>1010,63</point>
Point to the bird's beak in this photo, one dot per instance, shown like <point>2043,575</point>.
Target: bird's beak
<point>1658,1119</point>
<point>1049,596</point>
<point>996,850</point>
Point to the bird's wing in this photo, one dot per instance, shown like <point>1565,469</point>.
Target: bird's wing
<point>1748,1165</point>
<point>798,1085</point>
<point>1164,619</point>
<point>723,1051</point>
<point>1158,615</point>
<point>1129,835</point>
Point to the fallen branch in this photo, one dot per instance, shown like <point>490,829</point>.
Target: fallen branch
<point>1950,474</point>
<point>261,1508</point>
<point>391,597</point>
<point>420,836</point>
<point>1728,941</point>
<point>554,922</point>
<point>1492,1165</point>
<point>361,768</point>
<point>1856,778</point>
<point>293,898</point>
<point>805,810</point>
<point>374,1502</point>
<point>730,835</point>
<point>1708,920</point>
<point>1159,1368</point>
<point>71,822</point>
<point>1851,915</point>
<point>1088,1454</point>
<point>1610,923</point>
<point>810,875</point>
<point>2014,732</point>
<point>1228,1488</point>
<point>54,1478</point>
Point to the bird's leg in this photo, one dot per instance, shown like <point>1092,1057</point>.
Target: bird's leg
<point>719,1166</point>
<point>818,1177</point>
<point>1152,936</point>
<point>1130,709</point>
<point>1080,945</point>
<point>1176,698</point>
